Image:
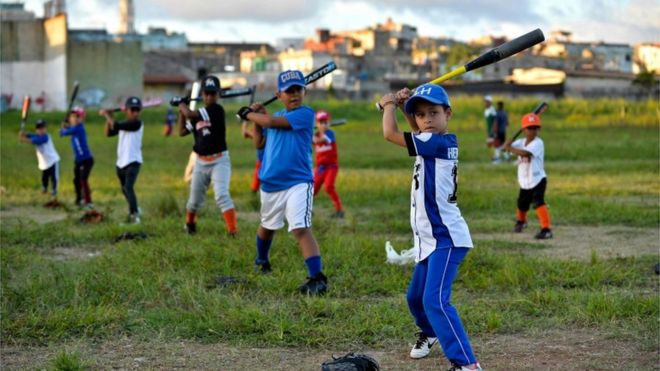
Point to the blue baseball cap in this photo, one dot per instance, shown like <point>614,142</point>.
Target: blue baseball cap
<point>429,92</point>
<point>290,78</point>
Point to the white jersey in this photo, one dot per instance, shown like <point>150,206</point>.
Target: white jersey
<point>47,156</point>
<point>530,169</point>
<point>129,147</point>
<point>436,221</point>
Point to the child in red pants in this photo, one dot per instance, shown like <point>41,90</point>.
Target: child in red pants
<point>327,165</point>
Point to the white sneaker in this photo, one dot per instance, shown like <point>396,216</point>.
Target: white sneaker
<point>134,219</point>
<point>464,368</point>
<point>422,346</point>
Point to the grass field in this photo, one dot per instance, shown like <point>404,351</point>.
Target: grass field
<point>64,282</point>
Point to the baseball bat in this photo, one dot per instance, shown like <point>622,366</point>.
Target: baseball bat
<point>25,109</point>
<point>542,107</point>
<point>254,90</point>
<point>313,76</point>
<point>494,55</point>
<point>229,93</point>
<point>74,94</point>
<point>337,122</point>
<point>148,103</point>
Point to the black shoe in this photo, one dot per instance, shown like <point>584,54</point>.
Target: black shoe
<point>544,234</point>
<point>191,228</point>
<point>263,266</point>
<point>317,285</point>
<point>338,215</point>
<point>518,228</point>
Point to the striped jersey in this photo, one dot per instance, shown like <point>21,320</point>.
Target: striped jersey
<point>435,219</point>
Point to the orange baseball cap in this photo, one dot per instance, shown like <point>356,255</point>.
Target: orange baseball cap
<point>530,120</point>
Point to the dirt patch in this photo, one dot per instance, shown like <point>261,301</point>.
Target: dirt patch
<point>578,242</point>
<point>572,350</point>
<point>39,215</point>
<point>70,253</point>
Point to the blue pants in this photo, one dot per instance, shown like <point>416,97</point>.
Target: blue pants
<point>428,299</point>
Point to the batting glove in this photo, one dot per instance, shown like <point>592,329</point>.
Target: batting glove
<point>243,112</point>
<point>175,101</point>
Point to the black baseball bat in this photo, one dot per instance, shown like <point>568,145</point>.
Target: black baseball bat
<point>74,94</point>
<point>315,75</point>
<point>230,93</point>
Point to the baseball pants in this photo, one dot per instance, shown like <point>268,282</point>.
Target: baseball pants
<point>326,174</point>
<point>81,172</point>
<point>429,297</point>
<point>52,174</point>
<point>218,171</point>
<point>127,177</point>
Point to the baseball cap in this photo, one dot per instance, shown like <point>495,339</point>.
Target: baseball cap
<point>429,92</point>
<point>322,116</point>
<point>290,78</point>
<point>488,98</point>
<point>41,123</point>
<point>530,120</point>
<point>133,102</point>
<point>79,111</point>
<point>210,83</point>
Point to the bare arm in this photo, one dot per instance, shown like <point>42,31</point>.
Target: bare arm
<point>261,118</point>
<point>109,122</point>
<point>401,97</point>
<point>516,151</point>
<point>258,138</point>
<point>187,112</point>
<point>23,138</point>
<point>390,126</point>
<point>181,120</point>
<point>248,133</point>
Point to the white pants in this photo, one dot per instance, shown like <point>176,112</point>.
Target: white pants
<point>218,171</point>
<point>294,203</point>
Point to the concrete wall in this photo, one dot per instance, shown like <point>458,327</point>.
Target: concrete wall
<point>113,66</point>
<point>33,61</point>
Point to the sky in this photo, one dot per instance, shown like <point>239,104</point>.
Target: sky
<point>612,21</point>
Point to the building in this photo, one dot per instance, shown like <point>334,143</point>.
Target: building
<point>158,38</point>
<point>647,58</point>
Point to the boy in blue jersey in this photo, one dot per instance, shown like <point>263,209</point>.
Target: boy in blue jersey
<point>287,182</point>
<point>440,232</point>
<point>83,159</point>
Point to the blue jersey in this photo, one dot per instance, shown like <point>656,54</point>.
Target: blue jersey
<point>288,152</point>
<point>79,145</point>
<point>434,215</point>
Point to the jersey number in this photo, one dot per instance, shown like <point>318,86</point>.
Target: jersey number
<point>454,173</point>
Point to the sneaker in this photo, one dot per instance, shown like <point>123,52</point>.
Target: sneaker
<point>134,219</point>
<point>191,228</point>
<point>518,228</point>
<point>317,285</point>
<point>422,346</point>
<point>455,367</point>
<point>544,234</point>
<point>262,267</point>
<point>338,215</point>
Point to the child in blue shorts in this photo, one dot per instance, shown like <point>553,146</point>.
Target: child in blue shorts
<point>287,181</point>
<point>440,233</point>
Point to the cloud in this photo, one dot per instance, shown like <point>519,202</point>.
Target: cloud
<point>280,11</point>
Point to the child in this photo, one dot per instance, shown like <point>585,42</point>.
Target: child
<point>249,134</point>
<point>327,165</point>
<point>531,176</point>
<point>129,151</point>
<point>490,114</point>
<point>208,128</point>
<point>83,159</point>
<point>47,158</point>
<point>170,118</point>
<point>440,232</point>
<point>499,130</point>
<point>286,176</point>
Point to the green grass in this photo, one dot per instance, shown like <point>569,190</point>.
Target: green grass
<point>602,169</point>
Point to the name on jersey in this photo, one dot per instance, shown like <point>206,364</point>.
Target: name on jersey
<point>452,153</point>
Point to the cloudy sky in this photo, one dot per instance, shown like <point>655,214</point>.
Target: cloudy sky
<point>614,21</point>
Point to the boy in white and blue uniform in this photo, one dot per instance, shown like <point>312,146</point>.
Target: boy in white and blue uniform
<point>47,157</point>
<point>287,182</point>
<point>439,231</point>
